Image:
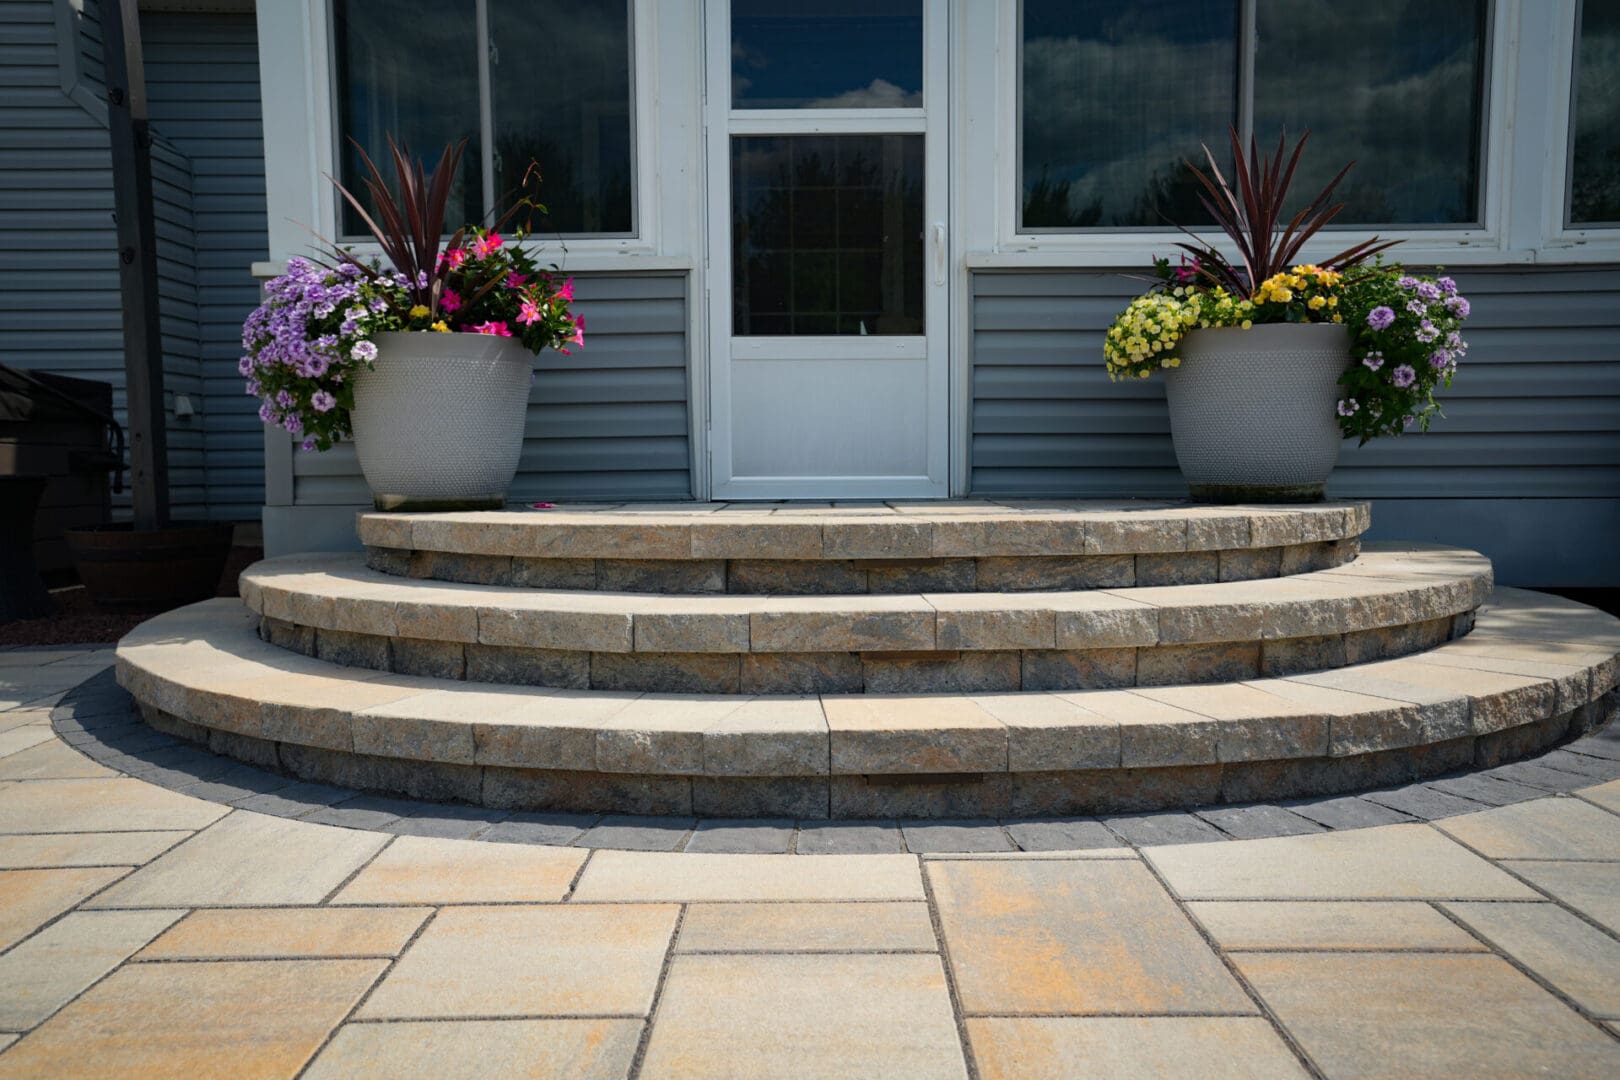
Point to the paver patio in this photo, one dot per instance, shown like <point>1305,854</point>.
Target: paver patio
<point>146,931</point>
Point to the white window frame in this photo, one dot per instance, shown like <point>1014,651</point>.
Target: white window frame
<point>1601,240</point>
<point>1000,244</point>
<point>301,140</point>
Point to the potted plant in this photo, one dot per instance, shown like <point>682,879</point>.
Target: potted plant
<point>1271,362</point>
<point>425,362</point>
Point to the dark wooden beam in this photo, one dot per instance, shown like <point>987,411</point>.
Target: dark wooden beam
<point>131,138</point>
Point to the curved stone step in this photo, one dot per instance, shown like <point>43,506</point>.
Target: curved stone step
<point>874,548</point>
<point>1536,669</point>
<point>1391,601</point>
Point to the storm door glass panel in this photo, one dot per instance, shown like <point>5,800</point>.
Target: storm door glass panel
<point>1113,98</point>
<point>560,88</point>
<point>1396,87</point>
<point>837,54</point>
<point>827,234</point>
<point>407,68</point>
<point>1595,154</point>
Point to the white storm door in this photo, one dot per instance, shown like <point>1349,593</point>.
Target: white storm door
<point>828,252</point>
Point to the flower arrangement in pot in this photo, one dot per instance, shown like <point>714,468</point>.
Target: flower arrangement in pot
<point>425,362</point>
<point>1269,361</point>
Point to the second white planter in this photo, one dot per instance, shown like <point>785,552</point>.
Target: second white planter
<point>1253,412</point>
<point>438,421</point>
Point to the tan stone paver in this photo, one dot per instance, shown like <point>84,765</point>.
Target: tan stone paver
<point>11,719</point>
<point>117,805</point>
<point>1128,1048</point>
<point>479,1049</point>
<point>1556,828</point>
<point>1426,1014</point>
<point>427,870</point>
<point>245,1020</point>
<point>806,1017</point>
<point>288,933</point>
<point>1329,925</point>
<point>1605,795</point>
<point>690,876</point>
<point>806,928</point>
<point>591,960</point>
<point>50,760</point>
<point>18,739</point>
<point>1391,862</point>
<point>248,860</point>
<point>46,971</point>
<point>1580,961</point>
<point>31,898</point>
<point>1089,936</point>
<point>1591,888</point>
<point>43,850</point>
<point>7,1040</point>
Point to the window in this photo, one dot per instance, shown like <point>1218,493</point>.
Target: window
<point>1594,156</point>
<point>558,80</point>
<point>1114,98</point>
<point>838,55</point>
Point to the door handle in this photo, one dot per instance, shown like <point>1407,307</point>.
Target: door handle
<point>939,253</point>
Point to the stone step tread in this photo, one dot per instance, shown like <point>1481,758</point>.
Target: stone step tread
<point>895,530</point>
<point>1532,658</point>
<point>1387,586</point>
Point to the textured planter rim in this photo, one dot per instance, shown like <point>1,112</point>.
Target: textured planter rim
<point>469,421</point>
<point>1214,369</point>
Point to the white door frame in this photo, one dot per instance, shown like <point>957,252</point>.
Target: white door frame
<point>932,121</point>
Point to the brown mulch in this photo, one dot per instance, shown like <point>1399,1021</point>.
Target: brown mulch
<point>78,621</point>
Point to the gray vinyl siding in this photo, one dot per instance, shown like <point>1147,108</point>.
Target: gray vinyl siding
<point>1534,414</point>
<point>609,422</point>
<point>202,75</point>
<point>59,298</point>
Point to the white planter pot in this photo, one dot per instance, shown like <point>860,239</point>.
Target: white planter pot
<point>438,421</point>
<point>1253,413</point>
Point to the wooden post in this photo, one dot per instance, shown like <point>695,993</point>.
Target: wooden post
<point>131,139</point>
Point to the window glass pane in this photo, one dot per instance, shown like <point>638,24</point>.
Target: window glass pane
<point>1113,98</point>
<point>827,234</point>
<point>1394,86</point>
<point>560,87</point>
<point>836,54</point>
<point>1595,157</point>
<point>408,68</point>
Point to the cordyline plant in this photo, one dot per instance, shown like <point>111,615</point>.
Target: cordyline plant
<point>1251,214</point>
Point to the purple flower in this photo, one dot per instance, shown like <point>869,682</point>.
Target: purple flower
<point>1417,307</point>
<point>1408,421</point>
<point>323,401</point>
<point>244,366</point>
<point>1408,283</point>
<point>266,413</point>
<point>1348,406</point>
<point>1458,306</point>
<point>364,350</point>
<point>293,423</point>
<point>1426,332</point>
<point>1403,376</point>
<point>1447,286</point>
<point>1380,317</point>
<point>1428,290</point>
<point>1373,360</point>
<point>1439,359</point>
<point>307,445</point>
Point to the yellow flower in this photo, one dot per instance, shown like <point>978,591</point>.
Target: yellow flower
<point>441,327</point>
<point>1338,318</point>
<point>420,311</point>
<point>1284,294</point>
<point>1246,324</point>
<point>1316,303</point>
<point>1333,301</point>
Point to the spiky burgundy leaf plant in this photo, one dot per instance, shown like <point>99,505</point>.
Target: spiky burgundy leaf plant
<point>1251,213</point>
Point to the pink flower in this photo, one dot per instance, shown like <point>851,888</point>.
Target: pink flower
<point>530,313</point>
<point>515,280</point>
<point>542,506</point>
<point>579,330</point>
<point>486,244</point>
<point>498,329</point>
<point>455,257</point>
<point>567,291</point>
<point>450,301</point>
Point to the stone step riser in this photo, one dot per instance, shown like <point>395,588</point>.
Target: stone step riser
<point>1009,794</point>
<point>1382,605</point>
<point>854,577</point>
<point>941,530</point>
<point>953,671</point>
